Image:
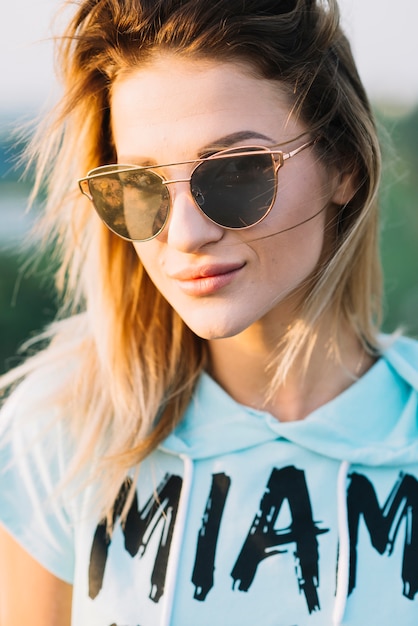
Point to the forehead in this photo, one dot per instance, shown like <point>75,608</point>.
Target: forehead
<point>173,102</point>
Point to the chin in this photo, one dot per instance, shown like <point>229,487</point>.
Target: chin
<point>209,333</point>
<point>212,331</point>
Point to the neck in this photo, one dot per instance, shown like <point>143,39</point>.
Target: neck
<point>242,366</point>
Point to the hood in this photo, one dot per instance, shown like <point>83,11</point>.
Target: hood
<point>373,422</point>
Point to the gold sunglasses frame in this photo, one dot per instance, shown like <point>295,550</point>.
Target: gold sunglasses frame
<point>278,156</point>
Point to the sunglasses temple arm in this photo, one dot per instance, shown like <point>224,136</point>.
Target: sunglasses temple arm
<point>288,155</point>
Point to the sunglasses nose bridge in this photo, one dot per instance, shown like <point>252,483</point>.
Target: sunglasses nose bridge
<point>176,180</point>
<point>188,180</point>
<point>168,182</point>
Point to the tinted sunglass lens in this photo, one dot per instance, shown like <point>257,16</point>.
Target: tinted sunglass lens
<point>235,192</point>
<point>134,204</point>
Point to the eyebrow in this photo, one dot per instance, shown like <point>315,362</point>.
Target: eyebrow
<point>214,146</point>
<point>228,140</point>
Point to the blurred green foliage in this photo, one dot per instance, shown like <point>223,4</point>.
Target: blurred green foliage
<point>399,217</point>
<point>27,302</point>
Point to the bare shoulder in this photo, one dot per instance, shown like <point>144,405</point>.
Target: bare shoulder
<point>30,594</point>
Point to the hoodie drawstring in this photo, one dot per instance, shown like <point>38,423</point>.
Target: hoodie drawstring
<point>173,561</point>
<point>344,546</point>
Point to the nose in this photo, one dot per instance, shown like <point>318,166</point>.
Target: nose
<point>188,229</point>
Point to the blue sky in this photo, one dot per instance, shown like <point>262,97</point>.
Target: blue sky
<point>384,40</point>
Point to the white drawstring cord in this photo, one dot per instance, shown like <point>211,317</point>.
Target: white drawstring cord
<point>174,558</point>
<point>344,547</point>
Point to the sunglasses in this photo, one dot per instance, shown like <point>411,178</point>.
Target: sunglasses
<point>235,188</point>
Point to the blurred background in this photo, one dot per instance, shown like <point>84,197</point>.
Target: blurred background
<point>383,36</point>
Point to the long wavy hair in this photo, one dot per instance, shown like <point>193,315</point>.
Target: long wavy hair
<point>135,361</point>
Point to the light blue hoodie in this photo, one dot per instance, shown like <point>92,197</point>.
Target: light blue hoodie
<point>241,520</point>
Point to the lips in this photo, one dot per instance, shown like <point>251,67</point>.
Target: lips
<point>205,271</point>
<point>206,279</point>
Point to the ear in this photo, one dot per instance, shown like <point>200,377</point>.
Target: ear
<point>345,187</point>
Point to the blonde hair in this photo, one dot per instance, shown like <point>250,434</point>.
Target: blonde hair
<point>136,361</point>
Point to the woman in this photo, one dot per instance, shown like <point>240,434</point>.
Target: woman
<point>216,432</point>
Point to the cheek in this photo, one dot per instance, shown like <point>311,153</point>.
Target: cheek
<point>294,242</point>
<point>297,221</point>
<point>299,249</point>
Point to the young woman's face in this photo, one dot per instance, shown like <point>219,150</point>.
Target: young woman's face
<point>223,281</point>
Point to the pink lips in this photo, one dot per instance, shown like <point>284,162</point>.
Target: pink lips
<point>206,279</point>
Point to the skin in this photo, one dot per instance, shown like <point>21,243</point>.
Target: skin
<point>29,594</point>
<point>209,102</point>
<point>237,289</point>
